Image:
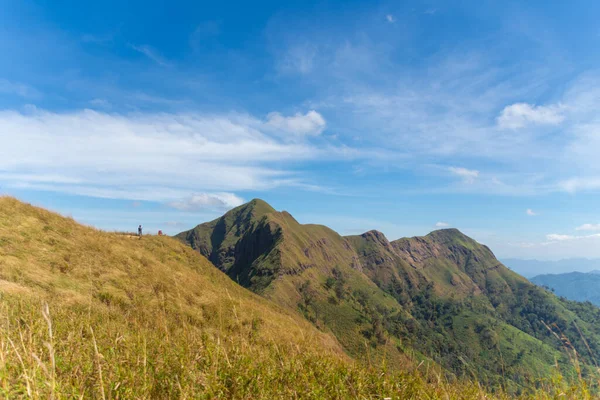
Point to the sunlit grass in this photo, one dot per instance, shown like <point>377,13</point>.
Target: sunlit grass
<point>90,314</point>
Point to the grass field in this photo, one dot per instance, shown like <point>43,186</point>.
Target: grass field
<point>89,314</point>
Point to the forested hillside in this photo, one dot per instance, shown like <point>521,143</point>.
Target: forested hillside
<point>442,297</point>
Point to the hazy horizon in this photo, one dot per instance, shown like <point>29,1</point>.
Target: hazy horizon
<point>530,268</point>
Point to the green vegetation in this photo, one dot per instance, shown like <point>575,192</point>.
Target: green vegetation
<point>90,314</point>
<point>443,298</point>
<point>105,354</point>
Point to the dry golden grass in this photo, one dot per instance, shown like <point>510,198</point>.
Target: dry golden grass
<point>90,314</point>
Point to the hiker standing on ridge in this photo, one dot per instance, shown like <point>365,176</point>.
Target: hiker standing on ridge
<point>140,231</point>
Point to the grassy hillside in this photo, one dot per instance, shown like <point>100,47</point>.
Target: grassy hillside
<point>458,264</point>
<point>443,297</point>
<point>90,314</point>
<point>308,268</point>
<point>442,280</point>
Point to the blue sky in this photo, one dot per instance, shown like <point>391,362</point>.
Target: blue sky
<point>480,115</point>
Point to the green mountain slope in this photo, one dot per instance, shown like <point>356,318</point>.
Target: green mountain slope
<point>443,296</point>
<point>91,314</point>
<point>578,286</point>
<point>302,267</point>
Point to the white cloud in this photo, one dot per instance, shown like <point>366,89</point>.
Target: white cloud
<point>519,115</point>
<point>561,238</point>
<point>174,224</point>
<point>555,246</point>
<point>531,213</point>
<point>436,117</point>
<point>447,113</point>
<point>310,124</point>
<point>442,225</point>
<point>390,18</point>
<point>18,89</point>
<point>588,227</point>
<point>208,201</point>
<point>156,156</point>
<point>468,175</point>
<point>553,237</point>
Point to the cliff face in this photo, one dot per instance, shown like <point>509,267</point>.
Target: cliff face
<point>241,243</point>
<point>254,245</point>
<point>453,263</point>
<point>386,267</point>
<point>456,263</point>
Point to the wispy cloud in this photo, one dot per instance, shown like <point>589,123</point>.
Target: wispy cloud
<point>468,175</point>
<point>554,246</point>
<point>560,238</point>
<point>588,227</point>
<point>168,156</point>
<point>19,89</point>
<point>298,59</point>
<point>174,224</point>
<point>442,225</point>
<point>151,53</point>
<point>100,103</point>
<point>577,184</point>
<point>531,213</point>
<point>208,201</point>
<point>462,109</point>
<point>390,18</point>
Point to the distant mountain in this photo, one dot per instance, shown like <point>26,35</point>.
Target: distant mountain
<point>531,268</point>
<point>442,296</point>
<point>576,286</point>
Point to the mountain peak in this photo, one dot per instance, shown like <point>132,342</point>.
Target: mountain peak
<point>449,235</point>
<point>447,231</point>
<point>442,236</point>
<point>257,207</point>
<point>258,202</point>
<point>375,235</point>
<point>594,272</point>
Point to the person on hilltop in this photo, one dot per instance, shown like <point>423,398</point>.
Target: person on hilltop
<point>140,231</point>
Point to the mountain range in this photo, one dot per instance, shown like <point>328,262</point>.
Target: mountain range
<point>256,305</point>
<point>578,286</point>
<point>443,297</point>
<point>531,268</point>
